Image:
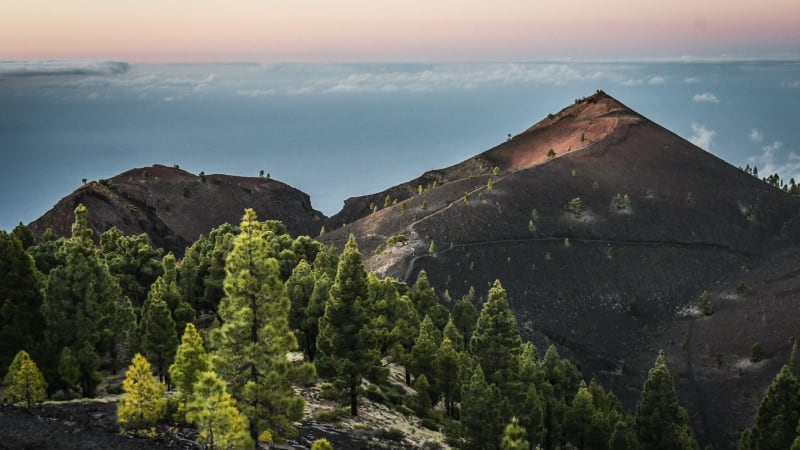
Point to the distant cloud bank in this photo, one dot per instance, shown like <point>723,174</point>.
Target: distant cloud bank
<point>56,68</point>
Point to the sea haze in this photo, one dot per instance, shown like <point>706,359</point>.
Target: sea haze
<point>341,130</point>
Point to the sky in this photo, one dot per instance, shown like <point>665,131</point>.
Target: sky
<point>347,97</point>
<point>379,30</point>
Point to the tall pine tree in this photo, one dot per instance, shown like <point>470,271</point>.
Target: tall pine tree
<point>343,333</point>
<point>660,422</point>
<point>252,343</point>
<point>496,340</point>
<point>778,414</point>
<point>83,305</point>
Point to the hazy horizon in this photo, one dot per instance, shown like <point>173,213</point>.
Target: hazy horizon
<point>340,130</point>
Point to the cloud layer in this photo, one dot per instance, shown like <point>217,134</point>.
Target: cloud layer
<point>58,68</point>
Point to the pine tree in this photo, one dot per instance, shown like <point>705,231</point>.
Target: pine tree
<point>422,400</point>
<point>69,368</point>
<point>24,235</point>
<point>423,355</point>
<point>794,361</point>
<point>623,437</point>
<point>481,418</point>
<point>321,444</point>
<point>24,383</point>
<point>778,414</point>
<point>299,288</point>
<point>424,299</point>
<point>465,316</point>
<point>159,341</point>
<point>447,365</point>
<point>403,334</point>
<point>496,340</point>
<point>456,338</point>
<point>133,261</point>
<point>660,422</point>
<point>705,303</point>
<point>514,437</point>
<point>21,322</point>
<point>343,335</point>
<point>144,402</point>
<point>578,418</point>
<point>83,305</point>
<point>254,338</point>
<point>213,411</point>
<point>191,360</point>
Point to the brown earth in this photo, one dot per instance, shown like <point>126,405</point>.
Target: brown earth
<point>175,207</point>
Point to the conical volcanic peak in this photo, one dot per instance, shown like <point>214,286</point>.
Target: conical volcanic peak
<point>588,120</point>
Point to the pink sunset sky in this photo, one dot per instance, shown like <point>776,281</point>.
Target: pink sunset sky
<point>377,30</point>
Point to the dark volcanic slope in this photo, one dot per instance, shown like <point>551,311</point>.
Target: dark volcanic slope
<point>618,282</point>
<point>175,207</point>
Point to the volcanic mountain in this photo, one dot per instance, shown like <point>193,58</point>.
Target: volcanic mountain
<point>175,207</point>
<point>605,228</point>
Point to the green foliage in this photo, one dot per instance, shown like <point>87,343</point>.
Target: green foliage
<point>213,411</point>
<point>757,353</point>
<point>343,335</point>
<point>24,383</point>
<point>423,355</point>
<point>251,345</point>
<point>83,305</point>
<point>300,288</point>
<point>514,437</point>
<point>425,301</point>
<point>447,364</point>
<point>551,154</point>
<point>465,316</point>
<point>705,303</point>
<point>332,415</point>
<point>623,437</point>
<point>322,443</point>
<point>144,402</point>
<point>21,322</point>
<point>159,340</point>
<point>489,185</point>
<point>578,418</point>
<point>133,261</point>
<point>69,368</point>
<point>660,422</point>
<point>432,248</point>
<point>24,235</point>
<point>422,401</point>
<point>496,171</point>
<point>481,413</point>
<point>576,207</point>
<point>496,340</point>
<point>396,239</point>
<point>777,416</point>
<point>621,202</point>
<point>191,360</point>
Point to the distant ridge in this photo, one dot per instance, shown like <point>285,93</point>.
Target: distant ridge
<point>175,207</point>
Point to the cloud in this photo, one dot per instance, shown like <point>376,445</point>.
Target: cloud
<point>793,84</point>
<point>61,68</point>
<point>658,79</point>
<point>702,136</point>
<point>774,159</point>
<point>691,80</point>
<point>705,97</point>
<point>756,136</point>
<point>630,82</point>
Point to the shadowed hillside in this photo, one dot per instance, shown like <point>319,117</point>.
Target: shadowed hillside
<point>175,207</point>
<point>604,246</point>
